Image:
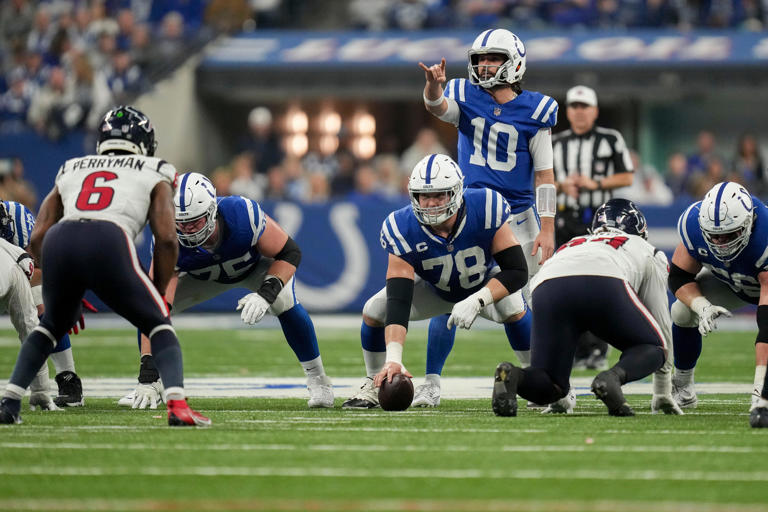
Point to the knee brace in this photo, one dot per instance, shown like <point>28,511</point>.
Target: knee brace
<point>682,316</point>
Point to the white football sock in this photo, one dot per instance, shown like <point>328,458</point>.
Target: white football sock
<point>313,367</point>
<point>63,361</point>
<point>374,362</point>
<point>432,378</point>
<point>524,356</point>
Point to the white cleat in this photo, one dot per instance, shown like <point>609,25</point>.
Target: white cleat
<point>563,406</point>
<point>42,400</point>
<point>665,404</point>
<point>426,395</point>
<point>320,392</point>
<point>685,395</point>
<point>367,397</point>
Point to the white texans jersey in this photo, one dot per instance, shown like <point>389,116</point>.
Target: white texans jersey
<point>616,254</point>
<point>114,188</point>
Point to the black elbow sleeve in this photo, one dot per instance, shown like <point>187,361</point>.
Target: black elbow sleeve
<point>399,298</point>
<point>290,253</point>
<point>678,277</point>
<point>514,270</point>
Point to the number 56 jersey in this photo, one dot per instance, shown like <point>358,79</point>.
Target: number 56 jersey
<point>113,188</point>
<point>458,266</point>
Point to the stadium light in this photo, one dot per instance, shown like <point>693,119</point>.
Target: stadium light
<point>296,121</point>
<point>328,144</point>
<point>363,123</point>
<point>364,147</point>
<point>329,122</point>
<point>296,144</point>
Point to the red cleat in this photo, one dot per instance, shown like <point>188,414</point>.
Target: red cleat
<point>180,415</point>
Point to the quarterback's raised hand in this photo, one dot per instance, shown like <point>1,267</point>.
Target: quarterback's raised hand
<point>254,308</point>
<point>708,314</point>
<point>434,73</point>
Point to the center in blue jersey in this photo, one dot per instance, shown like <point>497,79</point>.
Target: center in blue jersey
<point>494,138</point>
<point>242,223</point>
<point>741,272</point>
<point>455,267</point>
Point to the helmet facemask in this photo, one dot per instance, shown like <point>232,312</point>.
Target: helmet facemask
<point>6,225</point>
<point>435,174</point>
<point>476,70</point>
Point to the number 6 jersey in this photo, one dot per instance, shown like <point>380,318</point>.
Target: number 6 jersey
<point>112,188</point>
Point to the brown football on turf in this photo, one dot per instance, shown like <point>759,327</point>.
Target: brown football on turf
<point>396,395</point>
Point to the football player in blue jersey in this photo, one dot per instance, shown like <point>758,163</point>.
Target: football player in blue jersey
<point>450,251</point>
<point>226,243</point>
<point>720,264</point>
<point>16,223</point>
<point>505,144</point>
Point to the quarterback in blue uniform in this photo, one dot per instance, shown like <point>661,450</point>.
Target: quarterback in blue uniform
<point>16,224</point>
<point>225,243</point>
<point>450,251</point>
<point>720,264</point>
<point>505,144</point>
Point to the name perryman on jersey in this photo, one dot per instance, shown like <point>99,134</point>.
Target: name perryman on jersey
<point>115,161</point>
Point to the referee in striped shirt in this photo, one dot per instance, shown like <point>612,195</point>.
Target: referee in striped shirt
<point>589,162</point>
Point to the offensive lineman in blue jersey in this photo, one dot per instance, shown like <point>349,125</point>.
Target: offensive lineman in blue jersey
<point>505,144</point>
<point>16,223</point>
<point>443,251</point>
<point>720,264</point>
<point>225,243</point>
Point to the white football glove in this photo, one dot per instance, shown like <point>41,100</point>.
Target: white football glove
<point>665,404</point>
<point>708,314</point>
<point>465,311</point>
<point>254,308</point>
<point>27,264</point>
<point>148,395</point>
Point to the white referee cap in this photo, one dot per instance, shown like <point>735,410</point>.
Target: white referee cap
<point>581,94</point>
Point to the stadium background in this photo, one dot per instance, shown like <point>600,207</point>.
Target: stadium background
<point>341,84</point>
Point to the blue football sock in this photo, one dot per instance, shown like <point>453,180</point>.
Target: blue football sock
<point>439,343</point>
<point>372,338</point>
<point>519,333</point>
<point>686,342</point>
<point>63,344</point>
<point>299,332</point>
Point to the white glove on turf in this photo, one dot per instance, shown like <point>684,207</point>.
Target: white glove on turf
<point>254,308</point>
<point>148,395</point>
<point>665,404</point>
<point>464,312</point>
<point>708,314</point>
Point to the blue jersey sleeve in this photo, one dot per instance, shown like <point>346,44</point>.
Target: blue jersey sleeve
<point>545,110</point>
<point>497,210</point>
<point>391,237</point>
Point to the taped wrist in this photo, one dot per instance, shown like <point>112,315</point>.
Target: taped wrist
<point>514,270</point>
<point>762,324</point>
<point>399,297</point>
<point>290,253</point>
<point>546,200</point>
<point>148,371</point>
<point>270,288</point>
<point>678,277</point>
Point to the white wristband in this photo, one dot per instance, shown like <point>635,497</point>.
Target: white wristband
<point>699,303</point>
<point>37,294</point>
<point>432,103</point>
<point>395,352</point>
<point>546,200</point>
<point>484,295</point>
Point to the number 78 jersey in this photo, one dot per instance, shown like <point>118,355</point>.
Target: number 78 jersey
<point>112,188</point>
<point>494,139</point>
<point>458,266</point>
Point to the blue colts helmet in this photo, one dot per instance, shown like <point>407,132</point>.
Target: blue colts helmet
<point>126,129</point>
<point>621,214</point>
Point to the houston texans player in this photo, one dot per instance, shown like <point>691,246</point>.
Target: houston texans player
<point>16,224</point>
<point>450,251</point>
<point>505,144</point>
<point>613,283</point>
<point>89,221</point>
<point>225,243</point>
<point>720,264</point>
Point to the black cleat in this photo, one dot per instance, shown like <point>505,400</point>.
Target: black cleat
<point>758,418</point>
<point>607,387</point>
<point>70,390</point>
<point>504,398</point>
<point>10,411</point>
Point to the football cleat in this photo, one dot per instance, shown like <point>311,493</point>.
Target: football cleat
<point>43,401</point>
<point>685,395</point>
<point>181,415</point>
<point>367,397</point>
<point>504,397</point>
<point>10,411</point>
<point>607,387</point>
<point>665,404</point>
<point>427,395</point>
<point>563,406</point>
<point>70,390</point>
<point>758,418</point>
<point>320,392</point>
<point>596,361</point>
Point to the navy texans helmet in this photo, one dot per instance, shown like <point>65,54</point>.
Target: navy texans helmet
<point>126,129</point>
<point>621,214</point>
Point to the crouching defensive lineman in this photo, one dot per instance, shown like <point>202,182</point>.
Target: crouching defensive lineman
<point>449,252</point>
<point>612,283</point>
